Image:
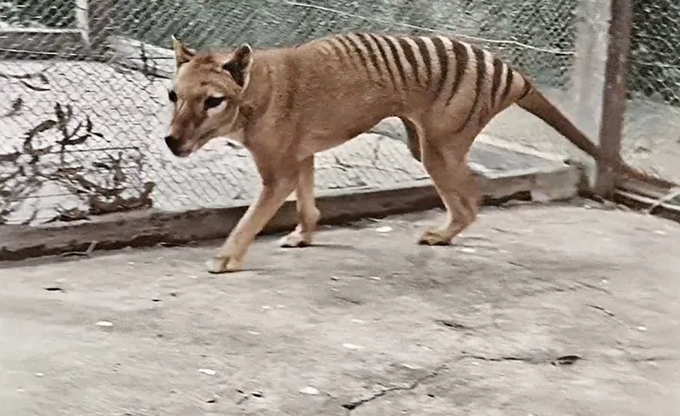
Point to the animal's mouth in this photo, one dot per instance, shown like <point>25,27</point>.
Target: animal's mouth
<point>202,140</point>
<point>193,147</point>
<point>183,153</point>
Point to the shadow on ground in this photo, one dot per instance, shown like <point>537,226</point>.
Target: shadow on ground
<point>535,310</point>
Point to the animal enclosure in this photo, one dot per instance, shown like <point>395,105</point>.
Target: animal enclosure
<point>85,108</point>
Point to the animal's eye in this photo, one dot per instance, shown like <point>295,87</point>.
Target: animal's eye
<point>172,96</point>
<point>212,102</point>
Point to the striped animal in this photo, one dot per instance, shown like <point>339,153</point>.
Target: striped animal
<point>286,104</point>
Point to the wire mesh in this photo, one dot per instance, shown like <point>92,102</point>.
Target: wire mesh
<point>82,134</point>
<point>651,139</point>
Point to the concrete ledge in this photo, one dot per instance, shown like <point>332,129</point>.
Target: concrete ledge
<point>148,228</point>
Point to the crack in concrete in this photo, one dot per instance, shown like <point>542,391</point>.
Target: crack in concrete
<point>594,287</point>
<point>448,323</point>
<point>354,404</point>
<point>499,359</point>
<point>652,359</point>
<point>564,360</point>
<point>551,286</point>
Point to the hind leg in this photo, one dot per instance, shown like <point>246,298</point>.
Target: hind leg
<point>445,162</point>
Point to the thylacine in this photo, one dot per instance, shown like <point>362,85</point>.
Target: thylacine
<point>286,104</point>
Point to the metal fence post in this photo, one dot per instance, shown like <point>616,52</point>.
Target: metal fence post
<point>588,76</point>
<point>614,93</point>
<point>95,18</point>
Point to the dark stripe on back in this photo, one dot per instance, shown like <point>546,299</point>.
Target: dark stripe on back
<point>339,52</point>
<point>425,54</point>
<point>497,74</point>
<point>481,72</point>
<point>357,48</point>
<point>462,60</point>
<point>443,58</point>
<point>397,61</point>
<point>410,56</point>
<point>525,89</point>
<point>348,46</point>
<point>509,78</point>
<point>383,54</point>
<point>371,51</point>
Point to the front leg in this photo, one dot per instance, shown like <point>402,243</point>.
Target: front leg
<point>308,213</point>
<point>274,192</point>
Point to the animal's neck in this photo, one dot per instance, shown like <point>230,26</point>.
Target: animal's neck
<point>257,94</point>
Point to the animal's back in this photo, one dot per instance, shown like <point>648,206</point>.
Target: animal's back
<point>361,78</point>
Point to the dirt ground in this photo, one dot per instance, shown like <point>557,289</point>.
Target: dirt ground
<point>536,310</point>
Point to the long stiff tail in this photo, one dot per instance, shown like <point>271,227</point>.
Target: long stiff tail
<point>537,104</point>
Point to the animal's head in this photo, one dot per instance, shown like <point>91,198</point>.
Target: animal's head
<point>206,95</point>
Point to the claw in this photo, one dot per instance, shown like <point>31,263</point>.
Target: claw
<point>295,239</point>
<point>434,238</point>
<point>218,265</point>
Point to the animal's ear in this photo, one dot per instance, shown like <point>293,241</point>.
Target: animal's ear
<point>182,53</point>
<point>238,64</point>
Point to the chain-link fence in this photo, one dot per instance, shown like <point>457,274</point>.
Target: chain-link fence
<point>82,134</point>
<point>651,138</point>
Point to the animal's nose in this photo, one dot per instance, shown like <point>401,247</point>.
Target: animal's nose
<point>171,141</point>
<point>173,144</point>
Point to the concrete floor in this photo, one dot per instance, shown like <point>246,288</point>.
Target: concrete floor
<point>365,323</point>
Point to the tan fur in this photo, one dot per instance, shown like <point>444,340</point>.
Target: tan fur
<point>287,104</point>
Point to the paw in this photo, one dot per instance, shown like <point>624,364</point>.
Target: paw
<point>434,238</point>
<point>222,265</point>
<point>295,239</point>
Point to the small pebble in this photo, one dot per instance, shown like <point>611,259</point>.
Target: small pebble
<point>309,390</point>
<point>642,328</point>
<point>385,229</point>
<point>353,347</point>
<point>357,321</point>
<point>39,374</point>
<point>105,324</point>
<point>375,278</point>
<point>207,371</point>
<point>468,250</point>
